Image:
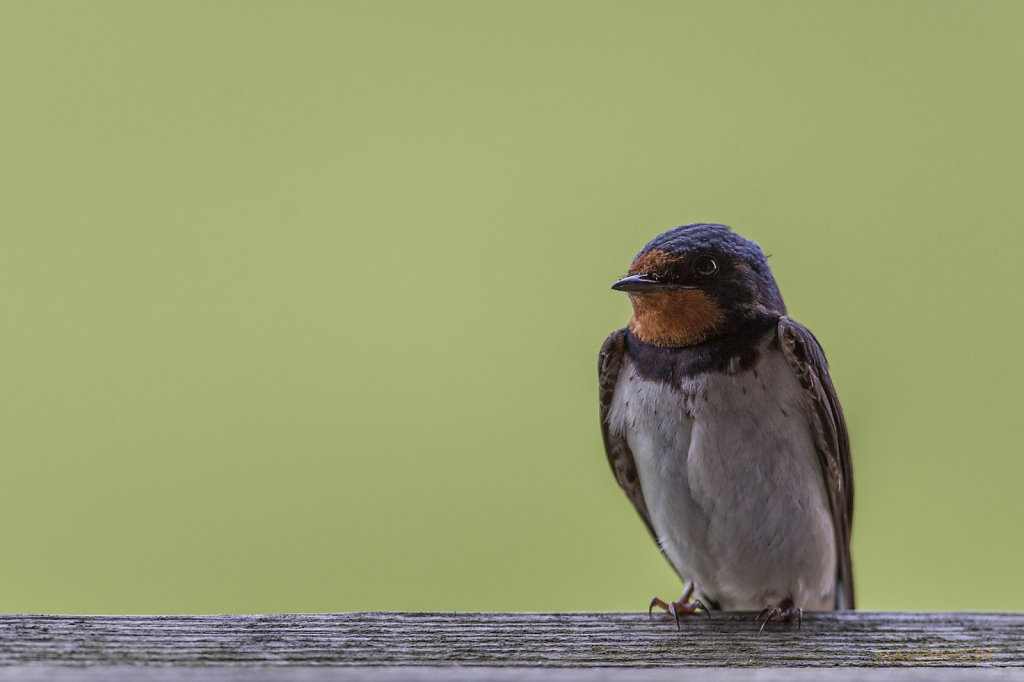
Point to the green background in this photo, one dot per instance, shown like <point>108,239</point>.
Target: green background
<point>301,302</point>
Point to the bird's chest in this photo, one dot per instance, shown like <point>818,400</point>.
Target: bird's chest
<point>715,430</point>
<point>726,461</point>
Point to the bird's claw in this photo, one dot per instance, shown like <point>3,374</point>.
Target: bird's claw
<point>784,611</point>
<point>678,608</point>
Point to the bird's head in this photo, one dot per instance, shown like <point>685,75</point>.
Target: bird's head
<point>694,283</point>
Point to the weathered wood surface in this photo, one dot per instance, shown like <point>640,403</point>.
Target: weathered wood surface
<point>560,646</point>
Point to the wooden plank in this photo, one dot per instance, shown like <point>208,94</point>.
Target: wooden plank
<point>532,644</point>
<point>126,673</point>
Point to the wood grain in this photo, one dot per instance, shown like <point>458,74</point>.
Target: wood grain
<point>581,645</point>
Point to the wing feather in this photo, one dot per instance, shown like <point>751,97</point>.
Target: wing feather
<point>620,457</point>
<point>805,356</point>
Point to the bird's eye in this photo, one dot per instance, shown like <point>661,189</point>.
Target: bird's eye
<point>705,266</point>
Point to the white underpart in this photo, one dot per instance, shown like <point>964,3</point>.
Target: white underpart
<point>731,477</point>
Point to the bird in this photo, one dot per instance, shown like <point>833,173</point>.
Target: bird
<point>722,425</point>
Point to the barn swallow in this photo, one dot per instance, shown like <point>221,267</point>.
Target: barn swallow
<point>722,426</point>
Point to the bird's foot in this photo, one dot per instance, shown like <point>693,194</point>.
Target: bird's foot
<point>785,611</point>
<point>685,604</point>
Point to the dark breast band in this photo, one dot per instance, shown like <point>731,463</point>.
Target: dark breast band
<point>735,352</point>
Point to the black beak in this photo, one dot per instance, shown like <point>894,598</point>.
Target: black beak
<point>637,284</point>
